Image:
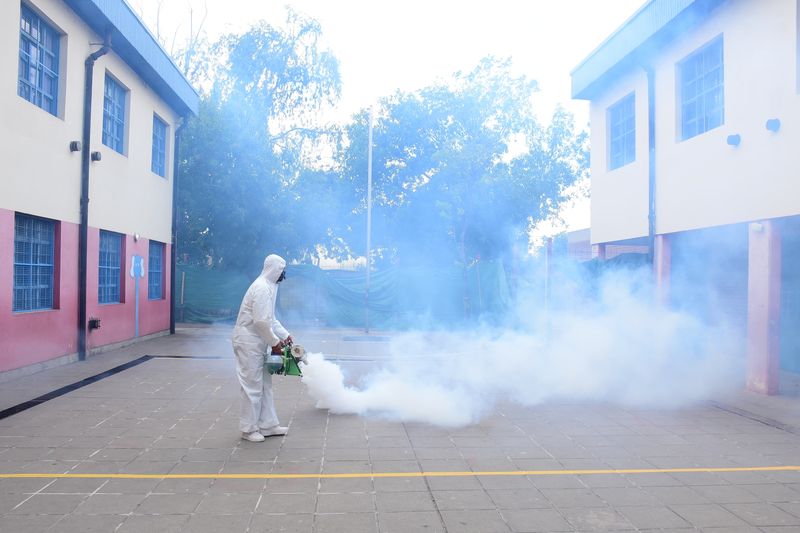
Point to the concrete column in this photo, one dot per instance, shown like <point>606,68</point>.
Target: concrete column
<point>763,307</point>
<point>662,262</point>
<point>600,251</point>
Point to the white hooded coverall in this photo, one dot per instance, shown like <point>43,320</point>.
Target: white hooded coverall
<point>256,331</point>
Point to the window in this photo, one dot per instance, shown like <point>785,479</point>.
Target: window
<point>155,271</point>
<point>159,160</point>
<point>701,90</point>
<point>38,61</point>
<point>34,243</point>
<point>622,132</point>
<point>114,115</point>
<point>109,279</point>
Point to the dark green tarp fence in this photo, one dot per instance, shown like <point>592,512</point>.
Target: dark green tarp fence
<point>205,295</point>
<point>398,298</point>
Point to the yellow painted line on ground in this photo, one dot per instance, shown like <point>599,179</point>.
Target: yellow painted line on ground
<point>351,475</point>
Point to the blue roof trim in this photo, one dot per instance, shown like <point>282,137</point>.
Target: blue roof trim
<point>654,24</point>
<point>132,42</point>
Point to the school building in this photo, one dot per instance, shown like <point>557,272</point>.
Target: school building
<point>695,129</point>
<point>88,132</point>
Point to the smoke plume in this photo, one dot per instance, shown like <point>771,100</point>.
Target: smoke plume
<point>617,345</point>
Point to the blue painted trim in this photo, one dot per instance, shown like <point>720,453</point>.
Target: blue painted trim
<point>132,42</point>
<point>652,26</point>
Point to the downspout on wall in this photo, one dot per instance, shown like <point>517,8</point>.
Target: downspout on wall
<point>174,248</point>
<point>651,161</point>
<point>83,233</point>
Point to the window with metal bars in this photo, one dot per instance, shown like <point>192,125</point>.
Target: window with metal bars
<point>34,243</point>
<point>622,132</point>
<point>114,115</point>
<point>38,61</point>
<point>159,158</point>
<point>155,271</point>
<point>109,276</point>
<point>702,95</point>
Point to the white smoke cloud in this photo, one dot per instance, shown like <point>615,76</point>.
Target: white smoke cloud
<point>617,346</point>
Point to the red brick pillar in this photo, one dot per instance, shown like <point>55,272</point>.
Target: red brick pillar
<point>763,307</point>
<point>600,251</point>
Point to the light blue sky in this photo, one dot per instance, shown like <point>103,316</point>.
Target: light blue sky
<point>384,46</point>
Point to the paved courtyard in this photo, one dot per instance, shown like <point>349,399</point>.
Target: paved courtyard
<point>153,447</point>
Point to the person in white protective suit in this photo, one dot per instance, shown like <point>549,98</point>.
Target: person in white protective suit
<point>257,331</point>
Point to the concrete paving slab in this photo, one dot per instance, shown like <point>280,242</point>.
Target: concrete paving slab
<point>652,517</point>
<point>345,523</point>
<point>597,519</point>
<point>486,521</point>
<point>535,521</point>
<point>170,523</point>
<point>285,523</point>
<point>410,522</point>
<point>708,515</point>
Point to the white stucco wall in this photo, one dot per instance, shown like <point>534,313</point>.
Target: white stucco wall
<point>702,181</point>
<point>41,176</point>
<point>619,196</point>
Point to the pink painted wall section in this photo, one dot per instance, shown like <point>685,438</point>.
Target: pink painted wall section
<point>117,321</point>
<point>764,306</point>
<point>662,259</point>
<point>154,314</point>
<point>34,337</point>
<point>37,336</point>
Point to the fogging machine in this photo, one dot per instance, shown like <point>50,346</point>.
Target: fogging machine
<point>286,362</point>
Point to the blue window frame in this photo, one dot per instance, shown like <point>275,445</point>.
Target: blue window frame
<point>109,278</point>
<point>38,61</point>
<point>34,243</point>
<point>155,271</point>
<point>114,115</point>
<point>622,132</point>
<point>702,90</point>
<point>159,159</point>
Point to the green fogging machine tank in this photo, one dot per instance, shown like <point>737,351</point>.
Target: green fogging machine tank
<point>286,363</point>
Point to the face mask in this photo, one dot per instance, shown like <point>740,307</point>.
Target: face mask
<point>281,277</point>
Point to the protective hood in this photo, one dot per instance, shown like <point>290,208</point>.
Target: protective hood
<point>273,266</point>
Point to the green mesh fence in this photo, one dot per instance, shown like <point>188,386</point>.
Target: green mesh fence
<point>206,296</point>
<point>398,298</point>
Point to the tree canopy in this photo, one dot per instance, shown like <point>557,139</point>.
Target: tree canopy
<point>461,168</point>
<point>243,155</point>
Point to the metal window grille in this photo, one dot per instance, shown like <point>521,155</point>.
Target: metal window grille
<point>34,240</point>
<point>159,159</point>
<point>38,61</point>
<point>622,132</point>
<point>702,90</point>
<point>114,115</point>
<point>155,269</point>
<point>110,264</point>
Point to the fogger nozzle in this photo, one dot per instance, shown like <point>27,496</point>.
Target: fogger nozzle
<point>299,353</point>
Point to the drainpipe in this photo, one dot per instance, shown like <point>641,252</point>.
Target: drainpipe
<point>83,233</point>
<point>651,159</point>
<point>174,248</point>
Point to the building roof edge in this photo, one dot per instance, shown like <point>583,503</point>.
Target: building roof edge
<point>654,22</point>
<point>134,44</point>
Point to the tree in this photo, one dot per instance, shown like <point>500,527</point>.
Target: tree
<point>245,154</point>
<point>461,169</point>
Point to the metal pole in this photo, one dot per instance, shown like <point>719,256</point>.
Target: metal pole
<point>369,221</point>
